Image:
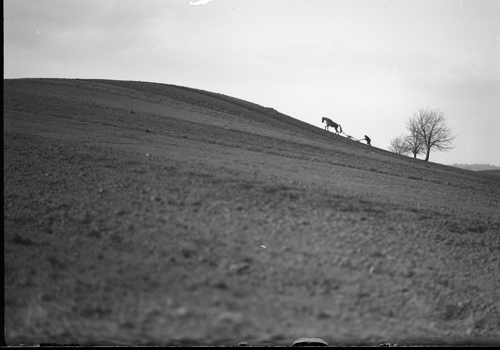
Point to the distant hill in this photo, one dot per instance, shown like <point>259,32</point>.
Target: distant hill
<point>476,167</point>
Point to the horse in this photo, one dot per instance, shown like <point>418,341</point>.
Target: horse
<point>329,123</point>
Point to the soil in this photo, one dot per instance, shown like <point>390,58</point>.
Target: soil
<point>141,213</point>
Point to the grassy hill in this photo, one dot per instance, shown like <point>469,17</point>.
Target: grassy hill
<point>145,213</point>
<point>476,167</point>
<point>495,172</point>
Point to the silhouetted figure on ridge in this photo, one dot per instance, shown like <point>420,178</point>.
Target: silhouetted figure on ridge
<point>368,140</point>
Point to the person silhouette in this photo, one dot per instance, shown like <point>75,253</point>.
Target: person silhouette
<point>368,140</point>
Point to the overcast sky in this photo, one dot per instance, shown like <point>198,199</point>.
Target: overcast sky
<point>366,64</point>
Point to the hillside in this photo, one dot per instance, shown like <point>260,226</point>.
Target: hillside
<point>144,213</point>
<point>477,167</point>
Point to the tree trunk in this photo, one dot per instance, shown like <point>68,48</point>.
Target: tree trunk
<point>427,155</point>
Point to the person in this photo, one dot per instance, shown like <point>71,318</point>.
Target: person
<point>368,140</point>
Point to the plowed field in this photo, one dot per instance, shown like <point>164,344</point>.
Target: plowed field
<point>140,213</point>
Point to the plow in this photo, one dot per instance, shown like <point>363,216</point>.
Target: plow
<point>352,137</point>
<point>355,139</point>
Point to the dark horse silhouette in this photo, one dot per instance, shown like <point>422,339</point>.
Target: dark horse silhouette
<point>329,123</point>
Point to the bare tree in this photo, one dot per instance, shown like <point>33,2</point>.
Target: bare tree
<point>430,126</point>
<point>414,144</point>
<point>398,145</point>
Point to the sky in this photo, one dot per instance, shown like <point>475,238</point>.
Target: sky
<point>366,64</point>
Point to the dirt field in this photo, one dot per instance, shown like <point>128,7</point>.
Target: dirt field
<point>140,213</point>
